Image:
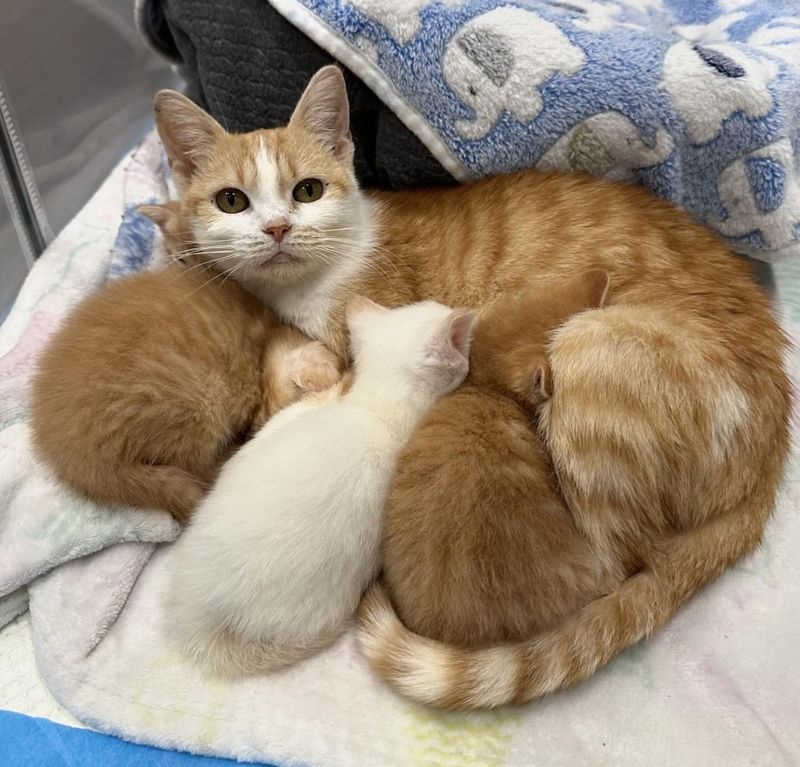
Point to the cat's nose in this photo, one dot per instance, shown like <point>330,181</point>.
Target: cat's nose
<point>277,229</point>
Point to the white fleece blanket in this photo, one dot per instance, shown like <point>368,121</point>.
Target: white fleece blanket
<point>719,686</point>
<point>41,523</point>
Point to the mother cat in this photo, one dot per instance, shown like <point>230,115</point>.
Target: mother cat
<point>668,426</point>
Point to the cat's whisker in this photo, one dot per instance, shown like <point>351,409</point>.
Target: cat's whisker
<point>217,275</point>
<point>380,261</point>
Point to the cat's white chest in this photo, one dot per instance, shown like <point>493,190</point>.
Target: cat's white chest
<point>307,310</point>
<point>308,305</point>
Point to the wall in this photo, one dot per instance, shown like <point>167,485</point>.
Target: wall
<point>80,83</point>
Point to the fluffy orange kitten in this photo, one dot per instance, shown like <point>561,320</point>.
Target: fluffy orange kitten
<point>668,423</point>
<point>150,383</point>
<point>478,546</point>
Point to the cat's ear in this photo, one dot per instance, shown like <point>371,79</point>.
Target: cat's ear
<point>161,215</point>
<point>187,132</point>
<point>594,288</point>
<point>541,381</point>
<point>461,328</point>
<point>324,111</point>
<point>451,344</point>
<point>359,307</point>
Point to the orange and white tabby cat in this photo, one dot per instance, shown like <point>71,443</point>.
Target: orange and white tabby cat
<point>478,545</point>
<point>668,422</point>
<point>152,381</point>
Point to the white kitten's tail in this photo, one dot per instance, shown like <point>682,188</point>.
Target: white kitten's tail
<point>222,653</point>
<point>452,677</point>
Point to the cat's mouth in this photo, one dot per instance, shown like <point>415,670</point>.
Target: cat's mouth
<point>281,258</point>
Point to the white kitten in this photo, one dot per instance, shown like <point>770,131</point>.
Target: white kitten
<point>277,556</point>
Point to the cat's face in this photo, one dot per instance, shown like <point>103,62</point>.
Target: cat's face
<point>271,206</point>
<point>425,344</point>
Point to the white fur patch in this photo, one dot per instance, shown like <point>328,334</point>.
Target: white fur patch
<point>269,197</point>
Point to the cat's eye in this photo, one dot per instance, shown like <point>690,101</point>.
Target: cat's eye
<point>308,190</point>
<point>232,200</point>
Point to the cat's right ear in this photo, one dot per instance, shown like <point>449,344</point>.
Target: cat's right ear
<point>324,111</point>
<point>187,132</point>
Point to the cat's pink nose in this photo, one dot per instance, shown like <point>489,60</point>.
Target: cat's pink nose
<point>277,229</point>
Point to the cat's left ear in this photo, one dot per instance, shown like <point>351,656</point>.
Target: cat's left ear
<point>324,111</point>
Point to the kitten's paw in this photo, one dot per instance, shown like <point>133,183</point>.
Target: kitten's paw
<point>315,367</point>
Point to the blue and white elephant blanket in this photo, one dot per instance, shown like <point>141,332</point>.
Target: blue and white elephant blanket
<point>698,100</point>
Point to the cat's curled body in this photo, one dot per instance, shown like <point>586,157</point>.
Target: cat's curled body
<point>668,425</point>
<point>479,547</point>
<point>274,562</point>
<point>151,382</point>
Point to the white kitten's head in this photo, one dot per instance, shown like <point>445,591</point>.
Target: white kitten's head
<point>425,344</point>
<point>271,206</point>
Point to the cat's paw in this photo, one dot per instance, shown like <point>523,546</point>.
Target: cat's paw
<point>315,367</point>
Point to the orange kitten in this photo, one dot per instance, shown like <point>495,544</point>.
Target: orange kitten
<point>479,547</point>
<point>668,421</point>
<point>150,383</point>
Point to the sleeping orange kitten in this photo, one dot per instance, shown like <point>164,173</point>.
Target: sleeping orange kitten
<point>151,382</point>
<point>667,427</point>
<point>478,546</point>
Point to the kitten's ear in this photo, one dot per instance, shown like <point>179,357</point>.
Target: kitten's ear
<point>595,285</point>
<point>324,111</point>
<point>542,381</point>
<point>187,132</point>
<point>451,344</point>
<point>461,328</point>
<point>160,215</point>
<point>359,307</point>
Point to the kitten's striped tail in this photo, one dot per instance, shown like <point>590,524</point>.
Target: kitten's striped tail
<point>450,677</point>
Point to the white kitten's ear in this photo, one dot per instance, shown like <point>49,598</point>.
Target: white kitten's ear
<point>187,132</point>
<point>324,111</point>
<point>452,342</point>
<point>359,307</point>
<point>461,325</point>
